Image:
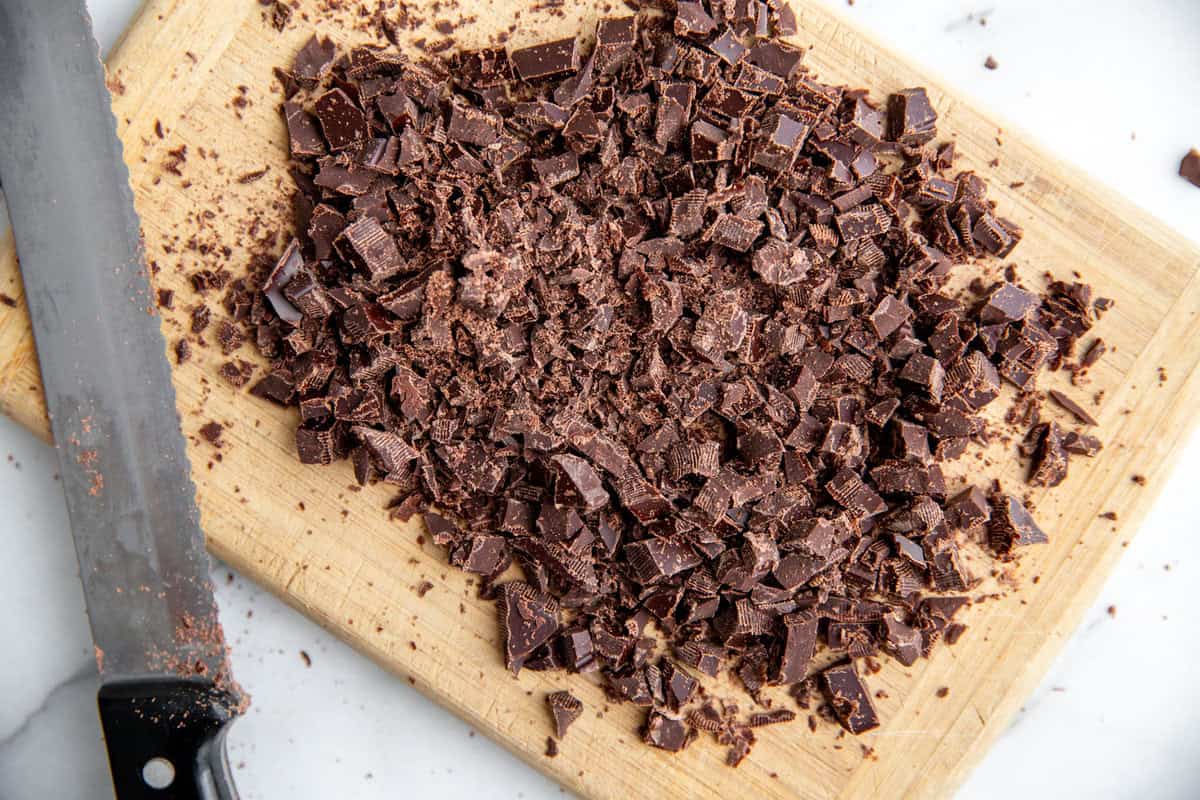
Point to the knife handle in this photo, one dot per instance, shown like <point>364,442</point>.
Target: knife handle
<point>166,739</point>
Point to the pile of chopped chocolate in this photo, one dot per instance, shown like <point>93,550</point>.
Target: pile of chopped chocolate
<point>666,325</point>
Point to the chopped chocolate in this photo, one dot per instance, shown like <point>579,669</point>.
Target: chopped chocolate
<point>1189,167</point>
<point>1012,525</point>
<point>528,618</point>
<point>565,708</point>
<point>850,698</point>
<point>1049,459</point>
<point>667,733</point>
<point>545,60</point>
<point>911,118</point>
<point>1079,412</point>
<point>667,325</point>
<point>343,123</point>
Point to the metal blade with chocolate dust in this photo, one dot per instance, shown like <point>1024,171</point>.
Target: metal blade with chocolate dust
<point>166,694</point>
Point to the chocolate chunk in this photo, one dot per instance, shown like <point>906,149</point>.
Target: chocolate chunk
<point>341,120</point>
<point>1012,525</point>
<point>710,143</point>
<point>615,41</point>
<point>705,657</point>
<point>777,58</point>
<point>486,555</point>
<point>727,47</point>
<point>556,169</point>
<point>314,60</point>
<point>850,698</point>
<point>565,708</point>
<point>1189,167</point>
<point>667,733</point>
<point>1079,412</point>
<point>1008,303</point>
<point>1050,459</point>
<point>691,19</point>
<point>585,485</point>
<point>901,641</point>
<point>304,139</point>
<point>473,126</point>
<point>925,372</point>
<point>653,559</point>
<point>369,246</point>
<point>911,118</point>
<point>799,644</point>
<point>888,316</point>
<point>855,496</point>
<point>734,231</point>
<point>544,60</point>
<point>528,618</point>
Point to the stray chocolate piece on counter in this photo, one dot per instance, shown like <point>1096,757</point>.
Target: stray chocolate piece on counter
<point>1189,167</point>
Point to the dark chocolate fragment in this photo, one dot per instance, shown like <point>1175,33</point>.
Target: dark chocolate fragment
<point>544,60</point>
<point>667,733</point>
<point>850,698</point>
<point>528,618</point>
<point>1189,167</point>
<point>343,123</point>
<point>565,708</point>
<point>1079,412</point>
<point>1012,525</point>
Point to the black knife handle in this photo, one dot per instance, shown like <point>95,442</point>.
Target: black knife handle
<point>181,722</point>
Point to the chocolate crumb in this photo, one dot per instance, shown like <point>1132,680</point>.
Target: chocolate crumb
<point>306,658</point>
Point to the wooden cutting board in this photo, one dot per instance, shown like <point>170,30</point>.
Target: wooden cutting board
<point>197,74</point>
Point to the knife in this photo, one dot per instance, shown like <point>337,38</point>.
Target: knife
<point>166,694</point>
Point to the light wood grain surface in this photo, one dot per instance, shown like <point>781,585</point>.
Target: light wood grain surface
<point>329,549</point>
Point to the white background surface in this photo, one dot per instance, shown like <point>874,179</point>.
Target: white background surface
<point>1116,717</point>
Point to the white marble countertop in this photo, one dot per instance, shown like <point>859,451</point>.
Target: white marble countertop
<point>1116,716</point>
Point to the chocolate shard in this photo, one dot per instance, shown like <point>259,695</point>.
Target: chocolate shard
<point>1189,167</point>
<point>528,618</point>
<point>667,733</point>
<point>616,39</point>
<point>545,60</point>
<point>850,698</point>
<point>1012,525</point>
<point>585,484</point>
<point>692,19</point>
<point>391,453</point>
<point>304,139</point>
<point>343,122</point>
<point>1008,303</point>
<point>1079,412</point>
<point>566,708</point>
<point>287,268</point>
<point>799,645</point>
<point>654,559</point>
<point>1050,459</point>
<point>368,245</point>
<point>911,118</point>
